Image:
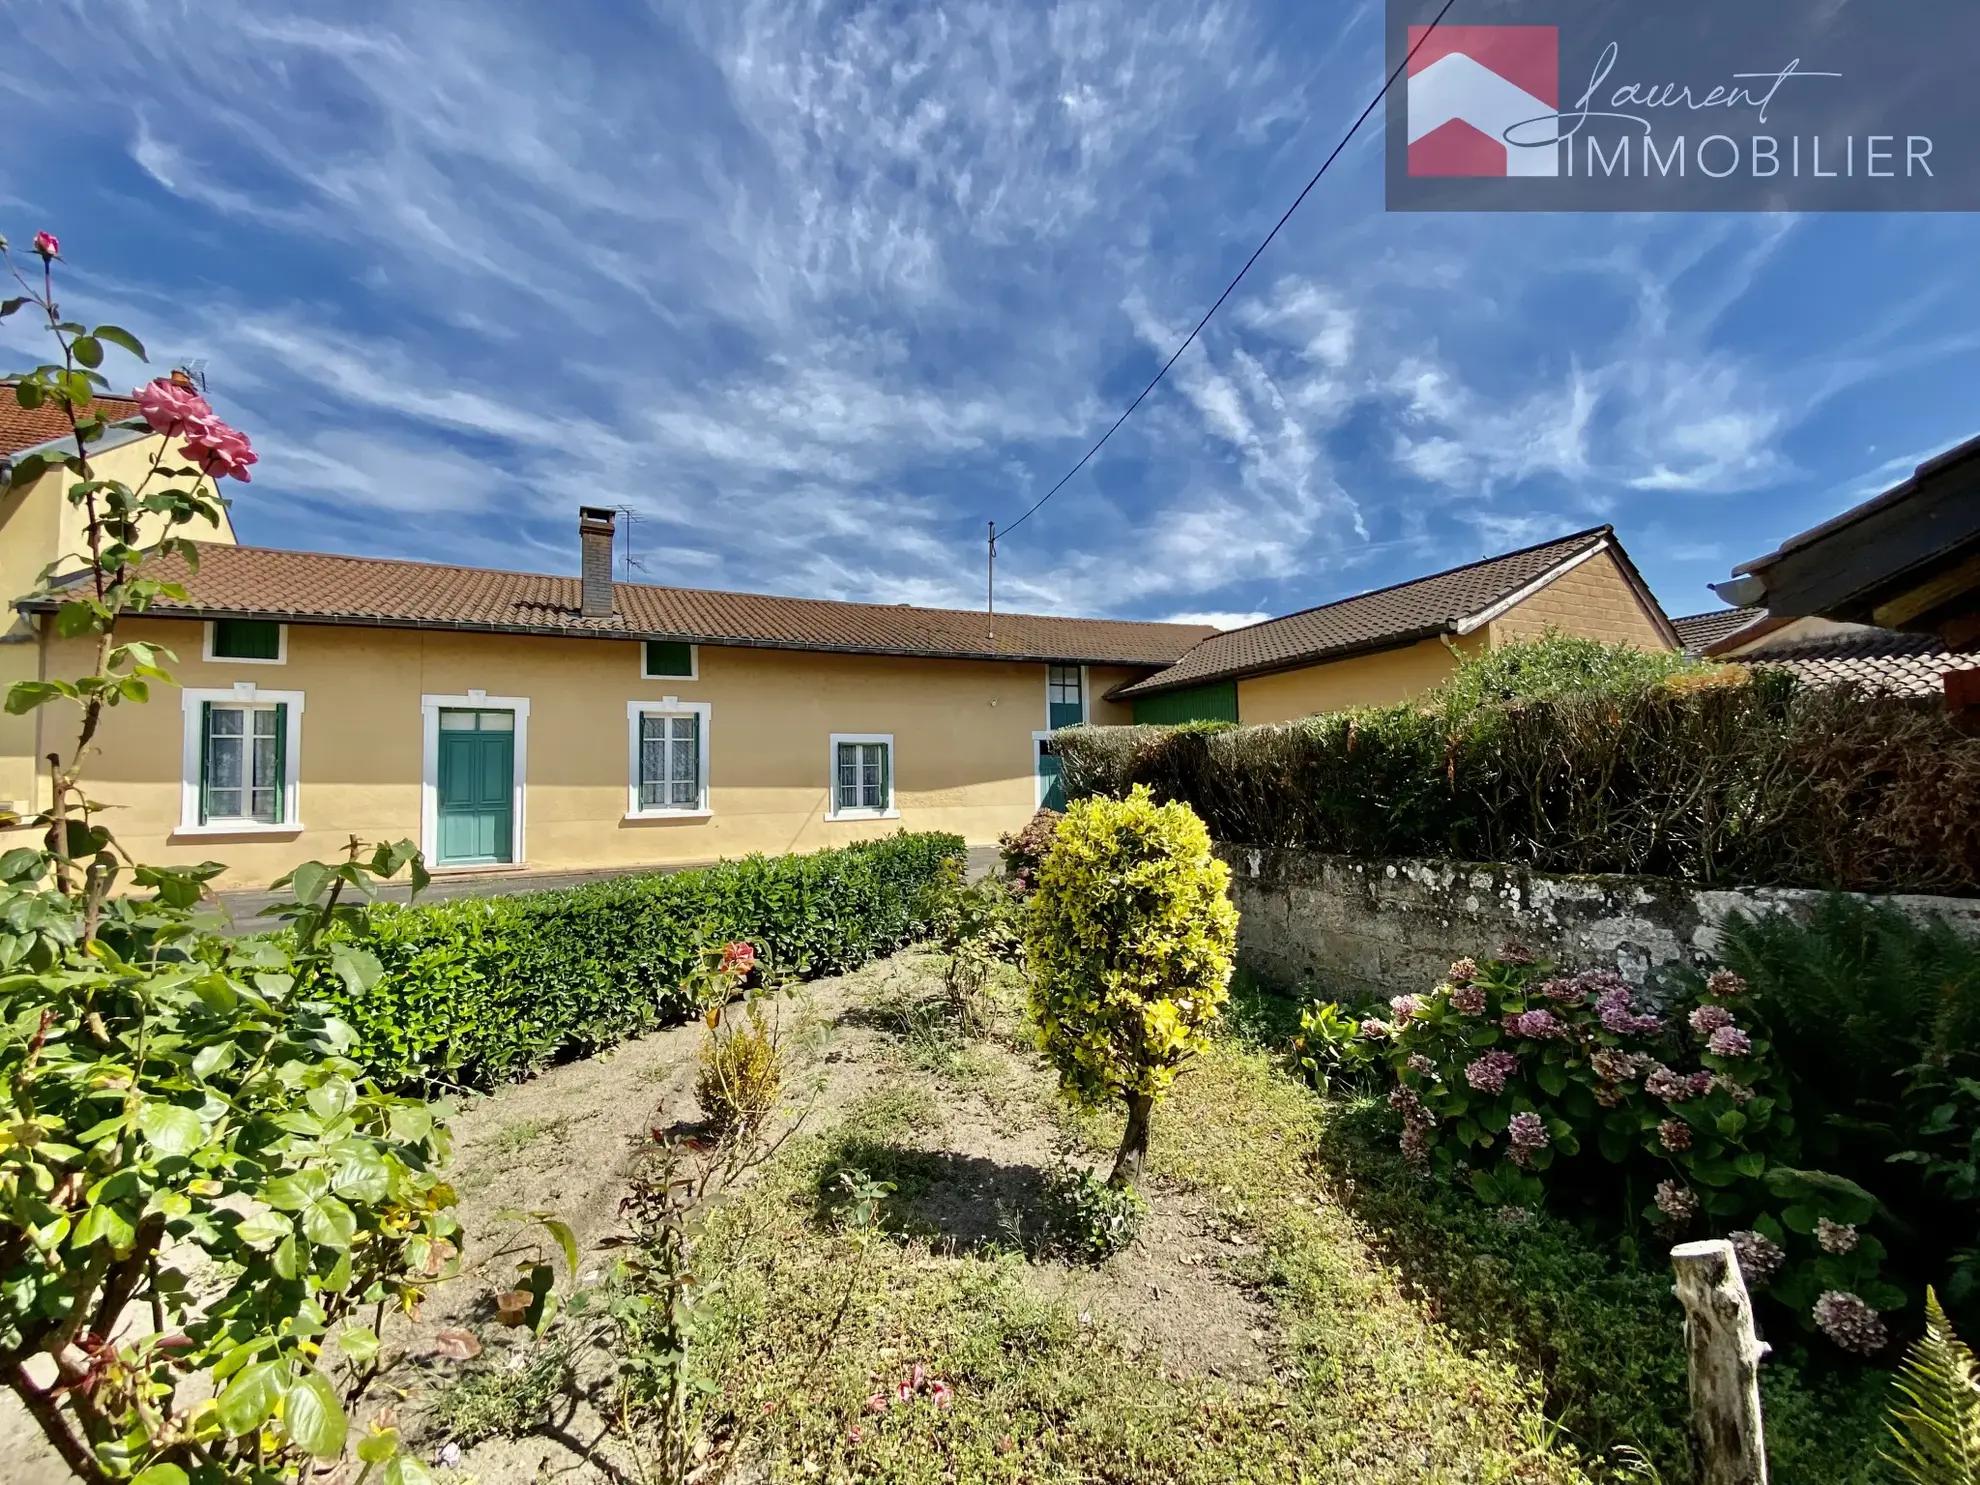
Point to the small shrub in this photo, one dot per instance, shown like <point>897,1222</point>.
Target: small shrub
<point>1085,1219</point>
<point>1024,851</point>
<point>741,1073</point>
<point>979,925</point>
<point>1512,1079</point>
<point>1129,942</point>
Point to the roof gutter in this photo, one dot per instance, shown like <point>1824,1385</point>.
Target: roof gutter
<point>556,631</point>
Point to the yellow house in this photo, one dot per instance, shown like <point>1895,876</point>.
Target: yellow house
<point>515,721</point>
<point>1393,643</point>
<point>39,528</point>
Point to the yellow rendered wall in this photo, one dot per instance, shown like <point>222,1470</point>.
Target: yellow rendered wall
<point>1100,679</point>
<point>963,757</point>
<point>1591,601</point>
<point>39,526</point>
<point>1365,680</point>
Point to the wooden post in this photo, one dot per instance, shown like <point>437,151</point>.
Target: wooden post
<point>1725,1358</point>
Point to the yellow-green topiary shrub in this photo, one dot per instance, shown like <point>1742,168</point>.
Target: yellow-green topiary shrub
<point>1129,943</point>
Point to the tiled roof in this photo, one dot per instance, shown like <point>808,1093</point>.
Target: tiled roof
<point>315,587</point>
<point>22,429</point>
<point>1879,659</point>
<point>1380,620</point>
<point>1699,630</point>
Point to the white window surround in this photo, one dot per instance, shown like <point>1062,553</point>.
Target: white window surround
<point>694,665</point>
<point>666,706</point>
<point>429,774</point>
<point>241,693</point>
<point>832,810</point>
<point>281,649</point>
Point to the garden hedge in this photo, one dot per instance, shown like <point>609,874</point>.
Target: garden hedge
<point>1726,777</point>
<point>479,991</point>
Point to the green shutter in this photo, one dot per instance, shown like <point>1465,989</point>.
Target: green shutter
<point>281,762</point>
<point>205,732</point>
<point>669,657</point>
<point>1216,702</point>
<point>247,639</point>
<point>886,752</point>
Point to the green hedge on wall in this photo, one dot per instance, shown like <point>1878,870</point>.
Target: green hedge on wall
<point>479,991</point>
<point>1722,778</point>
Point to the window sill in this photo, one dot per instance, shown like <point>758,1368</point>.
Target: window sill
<point>240,827</point>
<point>476,868</point>
<point>632,815</point>
<point>850,815</point>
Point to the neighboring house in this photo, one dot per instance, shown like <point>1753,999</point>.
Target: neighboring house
<point>1886,592</point>
<point>39,528</point>
<point>1823,652</point>
<point>510,720</point>
<point>1398,642</point>
<point>1696,631</point>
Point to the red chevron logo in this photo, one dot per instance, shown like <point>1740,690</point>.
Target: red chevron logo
<point>1468,85</point>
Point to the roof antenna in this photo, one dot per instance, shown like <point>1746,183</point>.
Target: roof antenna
<point>990,587</point>
<point>632,562</point>
<point>195,367</point>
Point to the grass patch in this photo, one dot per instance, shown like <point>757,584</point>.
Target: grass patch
<point>1367,1389</point>
<point>515,1138</point>
<point>502,1398</point>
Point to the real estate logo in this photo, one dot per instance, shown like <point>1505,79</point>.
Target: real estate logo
<point>1470,87</point>
<point>1686,105</point>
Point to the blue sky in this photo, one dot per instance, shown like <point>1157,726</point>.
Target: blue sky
<point>819,288</point>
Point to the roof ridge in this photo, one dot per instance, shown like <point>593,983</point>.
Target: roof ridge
<point>505,572</point>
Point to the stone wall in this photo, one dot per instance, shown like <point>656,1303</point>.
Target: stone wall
<point>1348,927</point>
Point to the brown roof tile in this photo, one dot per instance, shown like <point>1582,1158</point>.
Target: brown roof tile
<point>1699,630</point>
<point>1380,620</point>
<point>1878,659</point>
<point>315,587</point>
<point>22,429</point>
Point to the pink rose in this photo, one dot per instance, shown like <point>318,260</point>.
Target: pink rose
<point>169,407</point>
<point>218,449</point>
<point>46,244</point>
<point>877,1403</point>
<point>943,1394</point>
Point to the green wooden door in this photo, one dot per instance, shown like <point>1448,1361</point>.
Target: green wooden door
<point>477,787</point>
<point>1052,793</point>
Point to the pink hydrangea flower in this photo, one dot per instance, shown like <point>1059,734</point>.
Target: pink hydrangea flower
<point>1674,1135</point>
<point>1528,1132</point>
<point>1406,1006</point>
<point>1835,1237</point>
<point>1724,983</point>
<point>1421,1065</point>
<point>1709,1018</point>
<point>1615,1066</point>
<point>1678,1202</point>
<point>1535,1024</point>
<point>1673,1087</point>
<point>1760,1257</point>
<point>1729,1041</point>
<point>1468,1000</point>
<point>1374,1028</point>
<point>1615,1006</point>
<point>1488,1074</point>
<point>47,244</point>
<point>1463,970</point>
<point>1567,991</point>
<point>1851,1323</point>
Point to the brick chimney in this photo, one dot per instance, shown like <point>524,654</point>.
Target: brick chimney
<point>596,527</point>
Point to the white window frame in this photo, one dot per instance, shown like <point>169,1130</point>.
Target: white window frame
<point>832,810</point>
<point>281,648</point>
<point>1037,778</point>
<point>192,702</point>
<point>694,664</point>
<point>429,776</point>
<point>1085,694</point>
<point>666,706</point>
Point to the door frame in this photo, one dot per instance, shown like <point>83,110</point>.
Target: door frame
<point>429,775</point>
<point>1037,778</point>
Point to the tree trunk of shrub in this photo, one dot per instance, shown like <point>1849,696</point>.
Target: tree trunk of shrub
<point>1134,1141</point>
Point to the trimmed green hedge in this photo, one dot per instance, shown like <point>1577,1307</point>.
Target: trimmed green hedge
<point>480,991</point>
<point>1727,777</point>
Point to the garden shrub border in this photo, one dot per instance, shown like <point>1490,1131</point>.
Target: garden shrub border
<point>481,991</point>
<point>1735,777</point>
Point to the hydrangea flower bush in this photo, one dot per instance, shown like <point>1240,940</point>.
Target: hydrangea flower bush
<point>1530,1084</point>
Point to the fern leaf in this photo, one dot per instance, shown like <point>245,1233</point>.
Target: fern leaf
<point>1938,1433</point>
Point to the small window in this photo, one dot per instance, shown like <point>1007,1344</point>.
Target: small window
<point>241,763</point>
<point>245,639</point>
<point>668,659</point>
<point>669,762</point>
<point>862,782</point>
<point>1065,699</point>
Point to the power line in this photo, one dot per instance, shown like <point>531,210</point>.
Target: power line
<point>1373,104</point>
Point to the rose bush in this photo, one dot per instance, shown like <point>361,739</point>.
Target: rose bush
<point>1529,1084</point>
